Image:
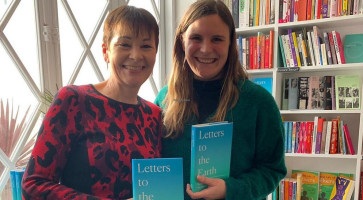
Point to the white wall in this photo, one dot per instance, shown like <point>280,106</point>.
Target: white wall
<point>177,12</point>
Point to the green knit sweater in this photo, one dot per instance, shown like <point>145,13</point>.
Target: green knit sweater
<point>257,160</point>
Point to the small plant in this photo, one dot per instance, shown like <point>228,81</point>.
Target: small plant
<point>11,128</point>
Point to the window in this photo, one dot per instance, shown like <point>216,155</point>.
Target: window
<point>46,44</point>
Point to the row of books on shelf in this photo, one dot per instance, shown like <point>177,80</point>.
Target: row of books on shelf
<point>339,92</point>
<point>316,48</point>
<point>308,48</point>
<point>256,52</point>
<point>320,136</point>
<point>301,10</point>
<point>314,185</point>
<point>249,13</point>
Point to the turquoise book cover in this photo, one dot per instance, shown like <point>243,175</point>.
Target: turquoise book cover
<point>210,152</point>
<point>157,178</point>
<point>16,177</point>
<point>353,46</point>
<point>265,82</point>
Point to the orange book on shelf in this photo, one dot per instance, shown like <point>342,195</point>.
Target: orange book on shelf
<point>286,188</point>
<point>308,9</point>
<point>267,21</point>
<point>301,10</point>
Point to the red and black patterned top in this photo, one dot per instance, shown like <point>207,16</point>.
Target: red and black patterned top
<point>86,143</point>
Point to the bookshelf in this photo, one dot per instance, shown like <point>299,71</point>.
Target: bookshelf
<point>353,118</point>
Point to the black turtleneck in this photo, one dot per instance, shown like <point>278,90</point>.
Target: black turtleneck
<point>207,94</point>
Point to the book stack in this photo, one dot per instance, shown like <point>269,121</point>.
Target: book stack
<point>16,177</point>
<point>320,136</point>
<point>311,48</point>
<point>256,52</point>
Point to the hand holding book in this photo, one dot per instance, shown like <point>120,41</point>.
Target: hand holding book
<point>216,189</point>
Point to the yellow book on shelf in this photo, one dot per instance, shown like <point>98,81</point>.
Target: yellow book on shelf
<point>257,16</point>
<point>296,49</point>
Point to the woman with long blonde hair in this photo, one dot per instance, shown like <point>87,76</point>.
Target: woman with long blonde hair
<point>208,84</point>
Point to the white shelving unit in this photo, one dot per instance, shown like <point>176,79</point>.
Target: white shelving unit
<point>354,118</point>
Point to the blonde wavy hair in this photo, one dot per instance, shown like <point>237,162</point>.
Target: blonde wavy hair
<point>179,103</point>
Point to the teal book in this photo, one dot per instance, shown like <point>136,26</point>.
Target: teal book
<point>353,46</point>
<point>210,152</point>
<point>264,82</point>
<point>13,185</point>
<point>16,177</point>
<point>157,178</point>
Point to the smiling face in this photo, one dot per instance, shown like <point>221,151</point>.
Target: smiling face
<point>131,57</point>
<point>206,43</point>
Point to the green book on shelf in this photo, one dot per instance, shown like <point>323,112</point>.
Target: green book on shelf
<point>157,178</point>
<point>353,48</point>
<point>327,182</point>
<point>310,183</point>
<point>347,92</point>
<point>210,152</point>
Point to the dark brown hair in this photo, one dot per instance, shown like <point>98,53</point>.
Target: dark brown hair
<point>138,20</point>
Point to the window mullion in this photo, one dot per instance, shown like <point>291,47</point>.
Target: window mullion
<point>48,45</point>
<point>168,21</point>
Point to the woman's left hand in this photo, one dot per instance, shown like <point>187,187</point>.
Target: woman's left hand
<point>216,189</point>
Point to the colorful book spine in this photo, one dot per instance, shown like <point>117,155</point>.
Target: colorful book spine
<point>271,49</point>
<point>282,53</point>
<point>304,55</point>
<point>319,135</point>
<point>292,47</point>
<point>235,12</point>
<point>290,54</point>
<point>348,139</point>
<point>333,8</point>
<point>334,137</point>
<point>244,13</point>
<point>327,46</point>
<point>314,134</point>
<point>336,47</point>
<point>266,54</point>
<point>306,44</point>
<point>328,136</point>
<point>296,49</point>
<point>340,46</point>
<point>317,50</point>
<point>311,48</point>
